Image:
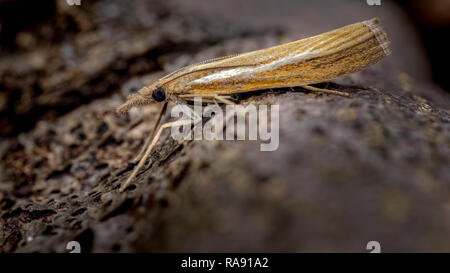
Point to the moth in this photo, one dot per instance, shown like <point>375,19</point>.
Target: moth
<point>300,63</point>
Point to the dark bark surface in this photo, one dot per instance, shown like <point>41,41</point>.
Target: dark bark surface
<point>374,166</point>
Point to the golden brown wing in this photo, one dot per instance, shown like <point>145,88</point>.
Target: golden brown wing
<point>311,60</point>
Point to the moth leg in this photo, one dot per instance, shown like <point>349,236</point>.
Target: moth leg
<point>147,141</point>
<point>150,147</point>
<point>224,99</point>
<point>194,115</point>
<point>327,91</point>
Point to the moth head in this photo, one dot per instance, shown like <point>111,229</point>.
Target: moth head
<point>147,95</point>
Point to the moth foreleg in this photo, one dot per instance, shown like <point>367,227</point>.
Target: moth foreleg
<point>147,141</point>
<point>150,147</point>
<point>327,91</point>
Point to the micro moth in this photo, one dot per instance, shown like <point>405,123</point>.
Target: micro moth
<point>296,64</point>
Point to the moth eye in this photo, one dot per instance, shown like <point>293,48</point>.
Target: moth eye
<point>159,94</point>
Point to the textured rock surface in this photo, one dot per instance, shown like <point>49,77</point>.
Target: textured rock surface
<point>348,170</point>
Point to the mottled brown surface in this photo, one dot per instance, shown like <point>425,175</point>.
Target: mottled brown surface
<point>348,170</point>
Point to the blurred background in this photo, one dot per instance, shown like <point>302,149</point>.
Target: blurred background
<point>56,56</point>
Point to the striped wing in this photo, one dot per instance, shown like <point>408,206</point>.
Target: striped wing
<point>312,60</point>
